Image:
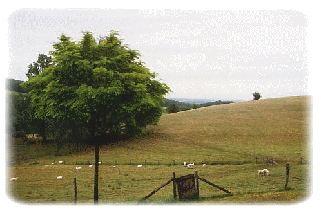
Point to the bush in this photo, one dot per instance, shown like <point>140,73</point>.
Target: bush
<point>173,108</point>
<point>256,96</point>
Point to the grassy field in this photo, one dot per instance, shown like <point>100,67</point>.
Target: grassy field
<point>238,136</point>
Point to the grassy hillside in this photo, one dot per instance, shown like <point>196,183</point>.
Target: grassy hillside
<point>230,134</point>
<point>275,128</point>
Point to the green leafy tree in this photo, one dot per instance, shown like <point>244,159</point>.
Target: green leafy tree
<point>19,113</point>
<point>36,68</point>
<point>194,106</point>
<point>256,96</point>
<point>173,108</point>
<point>102,85</point>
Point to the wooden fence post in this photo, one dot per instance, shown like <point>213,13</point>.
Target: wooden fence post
<point>174,186</point>
<point>197,184</point>
<point>287,176</point>
<point>75,189</point>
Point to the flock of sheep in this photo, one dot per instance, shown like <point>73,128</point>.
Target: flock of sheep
<point>263,172</point>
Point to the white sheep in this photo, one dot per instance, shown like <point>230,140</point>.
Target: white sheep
<point>60,162</point>
<point>14,179</point>
<point>99,163</point>
<point>263,172</point>
<point>59,177</point>
<point>260,173</point>
<point>204,165</point>
<point>139,166</point>
<point>190,165</point>
<point>266,172</point>
<point>185,164</point>
<point>78,168</point>
<point>90,166</point>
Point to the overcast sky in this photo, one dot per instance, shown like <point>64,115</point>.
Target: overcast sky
<point>212,54</point>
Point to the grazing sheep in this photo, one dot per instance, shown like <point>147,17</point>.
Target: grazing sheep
<point>204,165</point>
<point>263,172</point>
<point>90,166</point>
<point>139,166</point>
<point>260,173</point>
<point>266,172</point>
<point>185,164</point>
<point>14,179</point>
<point>78,168</point>
<point>190,166</point>
<point>99,163</point>
<point>59,177</point>
<point>60,162</point>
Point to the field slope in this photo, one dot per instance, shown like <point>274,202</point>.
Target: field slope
<point>238,136</point>
<point>274,128</point>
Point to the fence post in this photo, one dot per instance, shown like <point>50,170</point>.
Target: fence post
<point>197,184</point>
<point>75,189</point>
<point>174,186</point>
<point>287,176</point>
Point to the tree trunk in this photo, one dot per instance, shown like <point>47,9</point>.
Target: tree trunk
<point>43,131</point>
<point>96,171</point>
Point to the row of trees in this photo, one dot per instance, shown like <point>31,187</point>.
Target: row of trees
<point>173,106</point>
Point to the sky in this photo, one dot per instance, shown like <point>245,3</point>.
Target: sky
<point>202,54</point>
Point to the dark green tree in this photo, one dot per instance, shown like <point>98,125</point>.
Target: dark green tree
<point>36,68</point>
<point>102,85</point>
<point>173,108</point>
<point>194,106</point>
<point>256,96</point>
<point>19,113</point>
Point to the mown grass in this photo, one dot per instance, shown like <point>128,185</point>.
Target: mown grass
<point>239,132</point>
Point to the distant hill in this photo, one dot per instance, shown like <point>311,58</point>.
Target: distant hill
<point>201,101</point>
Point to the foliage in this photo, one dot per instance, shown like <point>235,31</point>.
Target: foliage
<point>102,86</point>
<point>183,106</point>
<point>256,96</point>
<point>172,108</point>
<point>14,85</point>
<point>36,68</point>
<point>19,113</point>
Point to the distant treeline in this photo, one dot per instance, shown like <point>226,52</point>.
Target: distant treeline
<point>14,85</point>
<point>173,106</point>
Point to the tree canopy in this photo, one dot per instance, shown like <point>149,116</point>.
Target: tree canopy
<point>36,68</point>
<point>102,85</point>
<point>256,96</point>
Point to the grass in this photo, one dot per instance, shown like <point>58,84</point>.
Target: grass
<point>226,134</point>
<point>129,184</point>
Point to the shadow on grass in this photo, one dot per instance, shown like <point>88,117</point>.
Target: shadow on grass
<point>186,201</point>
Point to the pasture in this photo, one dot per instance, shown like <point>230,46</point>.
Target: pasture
<point>239,137</point>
